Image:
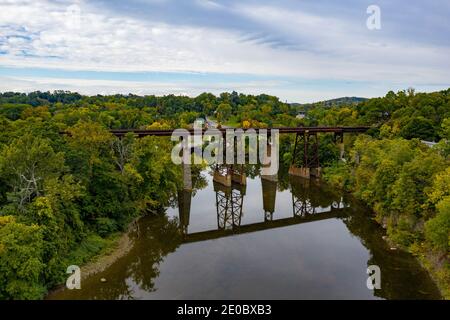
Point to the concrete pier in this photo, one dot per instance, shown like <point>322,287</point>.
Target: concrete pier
<point>300,172</point>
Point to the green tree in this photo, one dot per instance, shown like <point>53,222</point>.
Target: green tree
<point>419,127</point>
<point>21,262</point>
<point>223,112</point>
<point>26,164</point>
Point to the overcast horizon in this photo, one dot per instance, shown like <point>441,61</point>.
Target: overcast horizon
<point>300,51</point>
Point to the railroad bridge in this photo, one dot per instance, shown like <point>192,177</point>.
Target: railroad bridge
<point>305,155</point>
<point>230,183</point>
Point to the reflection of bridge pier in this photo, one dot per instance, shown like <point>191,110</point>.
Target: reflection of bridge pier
<point>184,198</point>
<point>222,175</point>
<point>269,182</point>
<point>229,202</point>
<point>269,192</point>
<point>302,204</point>
<point>238,175</point>
<point>184,209</point>
<point>309,195</point>
<point>311,202</point>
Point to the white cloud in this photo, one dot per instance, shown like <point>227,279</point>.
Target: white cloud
<point>45,34</point>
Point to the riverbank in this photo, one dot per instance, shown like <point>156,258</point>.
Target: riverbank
<point>437,267</point>
<point>432,262</point>
<point>118,246</point>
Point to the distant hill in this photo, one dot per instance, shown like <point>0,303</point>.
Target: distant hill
<point>331,103</point>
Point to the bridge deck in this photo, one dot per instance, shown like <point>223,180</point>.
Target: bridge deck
<point>282,130</point>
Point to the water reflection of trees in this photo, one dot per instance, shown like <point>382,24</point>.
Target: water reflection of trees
<point>157,238</point>
<point>153,238</point>
<point>199,181</point>
<point>310,195</point>
<point>401,276</point>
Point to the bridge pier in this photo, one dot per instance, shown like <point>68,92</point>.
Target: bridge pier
<point>339,139</point>
<point>315,172</point>
<point>238,175</point>
<point>300,172</point>
<point>228,174</point>
<point>306,149</point>
<point>341,151</point>
<point>223,179</point>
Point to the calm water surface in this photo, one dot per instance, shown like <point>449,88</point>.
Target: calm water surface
<point>285,239</point>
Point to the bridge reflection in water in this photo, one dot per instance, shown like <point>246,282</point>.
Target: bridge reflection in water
<point>308,204</point>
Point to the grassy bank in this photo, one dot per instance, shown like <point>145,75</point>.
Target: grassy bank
<point>95,254</point>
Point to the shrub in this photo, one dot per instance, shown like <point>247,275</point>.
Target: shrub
<point>437,229</point>
<point>105,226</point>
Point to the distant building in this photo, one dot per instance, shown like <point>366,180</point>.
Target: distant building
<point>301,115</point>
<point>429,143</point>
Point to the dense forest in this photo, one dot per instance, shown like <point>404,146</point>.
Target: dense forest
<point>63,197</point>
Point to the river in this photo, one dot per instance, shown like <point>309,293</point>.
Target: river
<point>285,239</point>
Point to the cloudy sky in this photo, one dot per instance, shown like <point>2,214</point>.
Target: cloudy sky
<point>299,50</point>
